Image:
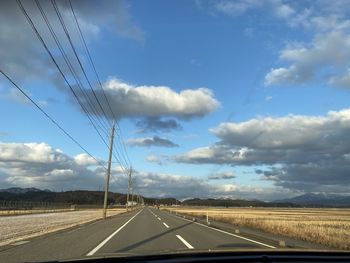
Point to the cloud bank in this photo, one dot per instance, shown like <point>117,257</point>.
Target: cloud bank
<point>305,153</point>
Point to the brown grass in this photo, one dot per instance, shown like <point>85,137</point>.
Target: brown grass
<point>16,228</point>
<point>329,227</point>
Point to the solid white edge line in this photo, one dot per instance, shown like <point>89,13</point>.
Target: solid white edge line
<point>228,233</point>
<point>165,225</point>
<point>92,252</point>
<point>188,245</point>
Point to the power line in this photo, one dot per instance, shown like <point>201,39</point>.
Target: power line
<point>76,55</point>
<point>122,142</point>
<point>71,68</point>
<point>90,58</point>
<point>101,86</point>
<point>49,117</point>
<point>55,62</point>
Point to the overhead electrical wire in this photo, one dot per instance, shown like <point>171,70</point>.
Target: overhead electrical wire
<point>77,57</point>
<point>90,58</point>
<point>58,67</point>
<point>71,68</point>
<point>117,156</point>
<point>122,158</point>
<point>120,139</point>
<point>50,118</point>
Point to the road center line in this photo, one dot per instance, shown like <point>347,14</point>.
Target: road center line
<point>165,225</point>
<point>188,245</point>
<point>159,218</point>
<point>92,252</point>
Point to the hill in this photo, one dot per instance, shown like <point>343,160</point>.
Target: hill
<point>311,199</point>
<point>80,197</point>
<point>233,203</point>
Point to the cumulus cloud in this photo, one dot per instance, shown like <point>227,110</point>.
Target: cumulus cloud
<point>222,176</point>
<point>183,187</point>
<point>40,165</point>
<point>85,159</point>
<point>155,124</point>
<point>327,51</point>
<point>306,152</point>
<point>129,101</point>
<point>148,142</point>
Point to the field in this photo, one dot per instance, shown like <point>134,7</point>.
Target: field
<point>31,211</point>
<point>329,227</point>
<point>20,227</point>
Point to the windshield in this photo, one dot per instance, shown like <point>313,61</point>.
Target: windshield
<point>155,127</point>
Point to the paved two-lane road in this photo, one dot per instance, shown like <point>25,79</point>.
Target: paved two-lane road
<point>146,231</point>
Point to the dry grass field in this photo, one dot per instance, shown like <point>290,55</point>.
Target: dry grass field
<point>31,211</point>
<point>21,227</point>
<point>329,227</point>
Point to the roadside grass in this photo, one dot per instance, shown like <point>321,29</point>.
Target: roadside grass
<point>328,227</point>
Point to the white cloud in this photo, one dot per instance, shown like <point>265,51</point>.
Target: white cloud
<point>305,152</point>
<point>182,187</point>
<point>129,101</point>
<point>329,52</point>
<point>85,159</point>
<point>40,165</point>
<point>30,152</point>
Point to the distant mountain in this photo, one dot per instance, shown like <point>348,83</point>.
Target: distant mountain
<point>81,197</point>
<point>18,190</point>
<point>233,203</point>
<point>308,199</point>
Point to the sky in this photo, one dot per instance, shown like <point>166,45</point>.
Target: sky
<point>222,99</point>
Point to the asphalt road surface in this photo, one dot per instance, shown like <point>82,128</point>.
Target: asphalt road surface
<point>145,231</point>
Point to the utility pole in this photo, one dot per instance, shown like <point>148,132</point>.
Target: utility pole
<point>129,186</point>
<point>108,173</point>
<point>132,195</point>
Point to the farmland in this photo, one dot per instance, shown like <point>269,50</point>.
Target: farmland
<point>329,227</point>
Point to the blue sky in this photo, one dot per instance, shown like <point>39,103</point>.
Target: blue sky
<point>267,114</point>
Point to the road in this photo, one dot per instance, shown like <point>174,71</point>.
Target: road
<point>145,231</point>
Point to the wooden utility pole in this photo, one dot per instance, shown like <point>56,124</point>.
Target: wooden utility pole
<point>108,173</point>
<point>129,186</point>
